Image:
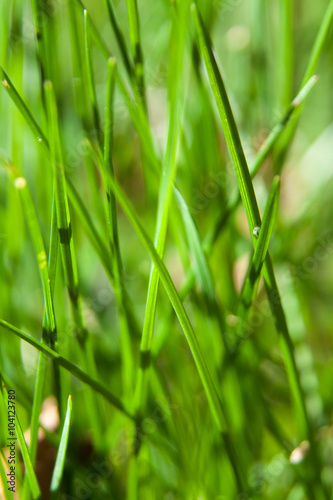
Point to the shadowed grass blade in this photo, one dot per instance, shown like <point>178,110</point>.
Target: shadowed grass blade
<point>61,455</point>
<point>134,31</point>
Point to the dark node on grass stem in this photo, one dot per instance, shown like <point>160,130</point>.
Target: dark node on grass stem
<point>39,35</point>
<point>286,118</point>
<point>144,359</point>
<point>65,234</point>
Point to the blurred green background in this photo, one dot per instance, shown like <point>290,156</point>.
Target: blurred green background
<point>263,59</point>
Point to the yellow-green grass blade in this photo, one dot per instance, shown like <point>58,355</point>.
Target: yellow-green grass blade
<point>61,454</point>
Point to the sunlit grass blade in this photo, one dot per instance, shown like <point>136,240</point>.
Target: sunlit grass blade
<point>61,455</point>
<point>31,476</point>
<point>70,367</point>
<point>210,389</point>
<point>254,220</point>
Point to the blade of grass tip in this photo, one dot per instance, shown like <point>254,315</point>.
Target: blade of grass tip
<point>75,199</point>
<point>251,283</point>
<point>208,384</point>
<point>4,478</point>
<point>165,195</point>
<point>31,476</point>
<point>112,224</point>
<point>61,455</point>
<point>134,31</point>
<point>95,33</point>
<point>70,367</point>
<point>68,256</point>
<point>253,216</point>
<point>316,51</point>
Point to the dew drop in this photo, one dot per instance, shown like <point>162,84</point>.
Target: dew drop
<point>256,231</point>
<point>39,139</point>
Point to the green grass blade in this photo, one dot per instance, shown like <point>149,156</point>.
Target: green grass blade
<point>164,198</point>
<point>91,83</point>
<point>208,384</point>
<point>112,225</point>
<point>251,283</point>
<point>253,216</point>
<point>119,37</point>
<point>34,127</point>
<point>3,478</point>
<point>201,266</point>
<point>31,476</point>
<point>61,455</point>
<point>70,367</point>
<point>134,31</point>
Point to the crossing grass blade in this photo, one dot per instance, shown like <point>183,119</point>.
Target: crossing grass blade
<point>254,220</point>
<point>250,287</point>
<point>203,370</point>
<point>31,476</point>
<point>70,367</point>
<point>61,455</point>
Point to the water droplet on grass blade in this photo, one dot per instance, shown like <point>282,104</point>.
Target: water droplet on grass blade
<point>256,231</point>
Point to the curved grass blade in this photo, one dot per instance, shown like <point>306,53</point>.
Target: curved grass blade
<point>70,367</point>
<point>61,455</point>
<point>208,384</point>
<point>31,476</point>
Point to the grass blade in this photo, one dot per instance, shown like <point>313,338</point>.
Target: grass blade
<point>251,283</point>
<point>253,216</point>
<point>208,384</point>
<point>134,31</point>
<point>61,455</point>
<point>70,367</point>
<point>31,476</point>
